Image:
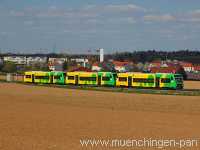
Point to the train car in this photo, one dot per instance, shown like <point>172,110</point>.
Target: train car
<point>72,78</point>
<point>91,78</point>
<point>136,80</point>
<point>144,80</point>
<point>43,77</point>
<point>58,77</point>
<point>29,77</point>
<point>149,80</point>
<point>82,78</point>
<point>107,78</point>
<point>124,79</point>
<point>169,80</point>
<point>88,78</point>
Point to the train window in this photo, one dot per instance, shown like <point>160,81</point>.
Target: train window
<point>88,78</point>
<point>143,80</point>
<point>123,79</point>
<point>57,77</point>
<point>165,80</point>
<point>42,77</point>
<point>37,77</point>
<point>106,78</point>
<point>70,77</point>
<point>151,80</point>
<point>28,76</point>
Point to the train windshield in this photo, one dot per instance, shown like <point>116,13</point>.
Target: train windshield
<point>178,78</point>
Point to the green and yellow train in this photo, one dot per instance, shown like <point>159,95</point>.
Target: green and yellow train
<point>130,79</point>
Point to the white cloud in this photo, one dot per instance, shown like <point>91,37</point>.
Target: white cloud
<point>195,13</point>
<point>17,13</point>
<point>29,22</point>
<point>192,16</point>
<point>113,9</point>
<point>160,18</point>
<point>3,33</point>
<point>131,20</point>
<point>124,8</point>
<point>89,11</point>
<point>121,20</point>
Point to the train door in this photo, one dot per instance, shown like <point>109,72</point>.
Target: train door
<point>33,77</point>
<point>76,79</point>
<point>99,80</point>
<point>129,81</point>
<point>157,82</point>
<point>51,78</point>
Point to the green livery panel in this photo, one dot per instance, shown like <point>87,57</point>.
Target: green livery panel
<point>107,78</point>
<point>59,77</point>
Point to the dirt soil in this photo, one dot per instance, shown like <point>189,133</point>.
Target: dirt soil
<point>192,84</point>
<point>44,118</point>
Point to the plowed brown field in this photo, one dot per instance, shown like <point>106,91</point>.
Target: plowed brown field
<point>43,118</point>
<point>192,84</point>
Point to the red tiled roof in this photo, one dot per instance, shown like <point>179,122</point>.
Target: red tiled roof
<point>197,68</point>
<point>120,63</point>
<point>186,64</point>
<point>95,64</point>
<point>81,69</point>
<point>165,69</point>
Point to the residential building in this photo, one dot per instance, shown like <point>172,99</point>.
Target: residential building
<point>188,67</point>
<point>81,61</point>
<point>156,63</point>
<point>81,69</point>
<point>19,60</point>
<point>197,68</point>
<point>121,66</point>
<point>56,64</point>
<point>96,67</point>
<point>33,60</point>
<point>23,60</point>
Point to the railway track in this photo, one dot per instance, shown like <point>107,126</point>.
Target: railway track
<point>183,92</point>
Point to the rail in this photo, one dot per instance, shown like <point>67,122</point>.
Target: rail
<point>17,78</point>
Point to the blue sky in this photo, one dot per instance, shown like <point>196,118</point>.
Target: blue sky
<point>115,25</point>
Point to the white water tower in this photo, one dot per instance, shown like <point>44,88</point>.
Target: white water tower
<point>101,50</point>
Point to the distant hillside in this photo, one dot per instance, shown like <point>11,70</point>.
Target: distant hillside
<point>148,56</point>
<point>135,56</point>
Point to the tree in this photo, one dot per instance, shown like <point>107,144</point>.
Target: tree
<point>71,65</point>
<point>107,66</point>
<point>9,67</point>
<point>1,65</point>
<point>40,66</point>
<point>65,65</point>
